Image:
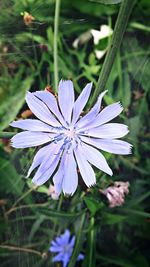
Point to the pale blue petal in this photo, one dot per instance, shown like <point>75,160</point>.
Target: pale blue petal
<point>42,176</point>
<point>55,249</point>
<point>72,242</point>
<point>58,185</point>
<point>51,102</point>
<point>70,179</point>
<point>107,114</point>
<point>66,259</point>
<point>86,170</point>
<point>58,257</point>
<point>40,110</point>
<point>33,125</point>
<point>66,99</point>
<point>91,115</point>
<point>96,158</point>
<point>64,238</point>
<point>54,244</point>
<point>108,131</point>
<point>58,177</point>
<point>80,257</point>
<point>39,158</point>
<point>113,146</point>
<point>81,102</point>
<point>31,139</point>
<point>49,164</point>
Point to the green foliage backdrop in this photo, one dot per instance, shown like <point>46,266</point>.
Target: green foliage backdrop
<point>30,219</point>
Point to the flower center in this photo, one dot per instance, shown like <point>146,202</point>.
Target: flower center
<point>70,133</point>
<point>67,248</point>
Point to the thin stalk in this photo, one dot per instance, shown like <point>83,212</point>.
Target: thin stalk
<point>77,247</point>
<point>58,209</point>
<point>7,134</point>
<point>27,206</point>
<point>120,27</point>
<point>27,250</point>
<point>56,23</point>
<point>24,195</point>
<point>92,243</point>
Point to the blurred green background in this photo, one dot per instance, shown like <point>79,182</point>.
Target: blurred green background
<point>30,219</point>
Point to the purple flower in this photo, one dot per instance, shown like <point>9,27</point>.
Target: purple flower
<point>71,140</point>
<point>63,245</point>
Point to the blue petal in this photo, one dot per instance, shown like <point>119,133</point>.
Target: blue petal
<point>40,110</point>
<point>58,257</point>
<point>113,146</point>
<point>70,179</point>
<point>39,158</point>
<point>96,158</point>
<point>81,102</point>
<point>33,125</point>
<point>66,99</point>
<point>31,139</point>
<point>66,259</point>
<point>50,101</point>
<point>55,248</point>
<point>72,242</point>
<point>58,177</point>
<point>86,170</point>
<point>91,115</point>
<point>108,131</point>
<point>64,238</point>
<point>43,176</point>
<point>80,257</point>
<point>49,165</point>
<point>107,114</point>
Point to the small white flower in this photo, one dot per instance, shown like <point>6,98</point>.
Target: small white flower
<point>105,31</point>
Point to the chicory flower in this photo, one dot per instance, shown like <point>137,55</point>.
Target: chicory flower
<point>71,140</point>
<point>63,245</point>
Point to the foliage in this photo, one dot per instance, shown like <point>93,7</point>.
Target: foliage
<point>30,219</point>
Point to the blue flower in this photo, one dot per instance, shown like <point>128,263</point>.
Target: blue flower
<point>63,245</point>
<point>71,139</point>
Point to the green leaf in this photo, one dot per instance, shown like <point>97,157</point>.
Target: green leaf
<point>126,91</point>
<point>109,218</point>
<point>137,212</point>
<point>134,126</point>
<point>59,214</point>
<point>109,2</point>
<point>41,189</point>
<point>11,181</point>
<point>36,226</point>
<point>12,104</point>
<point>92,204</point>
<point>121,262</point>
<point>88,7</point>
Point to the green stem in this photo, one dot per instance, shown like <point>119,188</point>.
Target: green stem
<point>78,243</point>
<point>56,22</point>
<point>92,243</point>
<point>7,134</point>
<point>58,209</point>
<point>120,27</point>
